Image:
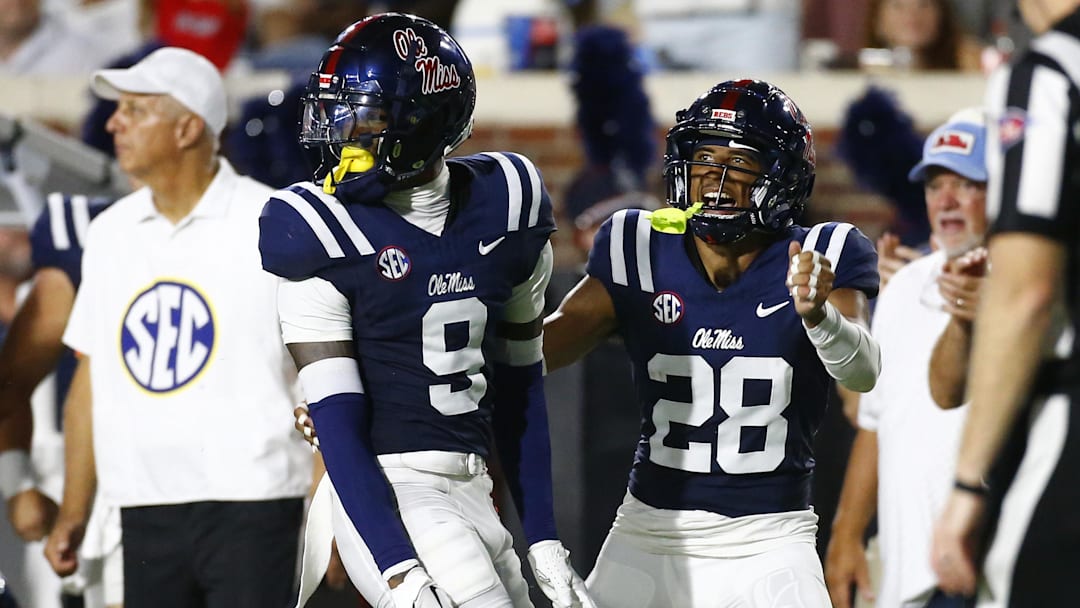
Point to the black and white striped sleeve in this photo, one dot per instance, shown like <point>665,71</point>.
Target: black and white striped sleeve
<point>1033,146</point>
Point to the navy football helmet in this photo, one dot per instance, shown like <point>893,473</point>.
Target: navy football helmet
<point>748,114</point>
<point>392,85</point>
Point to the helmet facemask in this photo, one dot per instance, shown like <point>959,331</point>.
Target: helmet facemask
<point>737,195</point>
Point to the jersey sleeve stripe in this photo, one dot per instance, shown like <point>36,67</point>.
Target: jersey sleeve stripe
<point>513,190</point>
<point>644,259</point>
<point>534,185</point>
<point>80,217</point>
<point>618,257</point>
<point>314,220</point>
<point>836,243</point>
<point>359,240</point>
<point>57,222</point>
<point>1039,190</point>
<point>810,242</point>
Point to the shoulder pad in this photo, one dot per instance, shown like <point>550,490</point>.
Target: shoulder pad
<point>59,233</point>
<point>853,256</point>
<point>527,204</point>
<point>302,230</point>
<point>621,252</point>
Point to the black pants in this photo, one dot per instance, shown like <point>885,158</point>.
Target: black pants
<point>1044,471</point>
<point>940,600</point>
<point>211,554</point>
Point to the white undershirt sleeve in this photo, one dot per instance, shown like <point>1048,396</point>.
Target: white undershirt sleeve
<point>850,354</point>
<point>313,310</point>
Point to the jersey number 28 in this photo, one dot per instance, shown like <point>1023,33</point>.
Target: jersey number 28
<point>697,456</point>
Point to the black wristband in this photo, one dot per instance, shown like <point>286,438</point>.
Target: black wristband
<point>978,490</point>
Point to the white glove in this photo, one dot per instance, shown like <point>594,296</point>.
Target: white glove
<point>419,591</point>
<point>550,563</point>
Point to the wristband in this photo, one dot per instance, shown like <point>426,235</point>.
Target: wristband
<point>981,489</point>
<point>16,474</point>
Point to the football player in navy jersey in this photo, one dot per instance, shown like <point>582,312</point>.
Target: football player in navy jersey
<point>31,351</point>
<point>735,318</point>
<point>412,305</point>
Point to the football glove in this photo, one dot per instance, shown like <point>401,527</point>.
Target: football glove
<point>550,563</point>
<point>419,591</point>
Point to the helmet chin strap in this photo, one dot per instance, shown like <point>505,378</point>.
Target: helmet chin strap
<point>353,160</point>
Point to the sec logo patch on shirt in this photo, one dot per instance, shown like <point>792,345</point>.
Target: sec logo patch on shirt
<point>394,264</point>
<point>167,336</point>
<point>667,307</point>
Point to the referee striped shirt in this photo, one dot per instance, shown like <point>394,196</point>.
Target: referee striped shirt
<point>1033,156</point>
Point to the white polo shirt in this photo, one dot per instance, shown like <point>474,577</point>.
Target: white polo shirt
<point>193,390</point>
<point>917,441</point>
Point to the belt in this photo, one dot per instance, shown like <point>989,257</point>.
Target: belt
<point>432,461</point>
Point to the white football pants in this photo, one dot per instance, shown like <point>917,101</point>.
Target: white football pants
<point>444,500</point>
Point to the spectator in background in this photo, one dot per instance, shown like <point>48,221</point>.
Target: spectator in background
<point>210,513</point>
<point>33,42</point>
<point>292,35</point>
<point>898,462</point>
<point>31,435</point>
<point>922,35</point>
<point>214,29</point>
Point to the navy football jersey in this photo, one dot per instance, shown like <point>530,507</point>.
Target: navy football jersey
<point>424,307</point>
<point>730,388</point>
<point>56,241</point>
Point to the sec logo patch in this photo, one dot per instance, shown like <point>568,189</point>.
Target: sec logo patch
<point>167,336</point>
<point>667,307</point>
<point>394,264</point>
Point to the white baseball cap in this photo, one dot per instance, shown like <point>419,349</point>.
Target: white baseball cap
<point>184,75</point>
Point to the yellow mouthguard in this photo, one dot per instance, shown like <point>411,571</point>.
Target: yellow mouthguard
<point>671,220</point>
<point>353,160</point>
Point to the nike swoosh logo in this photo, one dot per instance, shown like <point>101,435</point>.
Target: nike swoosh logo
<point>486,249</point>
<point>764,312</point>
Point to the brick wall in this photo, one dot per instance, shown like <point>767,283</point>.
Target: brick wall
<point>558,153</point>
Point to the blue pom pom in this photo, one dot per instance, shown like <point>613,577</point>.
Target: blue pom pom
<point>878,141</point>
<point>263,144</point>
<point>613,113</point>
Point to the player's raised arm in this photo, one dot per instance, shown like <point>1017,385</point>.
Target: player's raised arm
<point>835,319</point>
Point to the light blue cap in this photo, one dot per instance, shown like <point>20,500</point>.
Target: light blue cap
<point>959,146</point>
